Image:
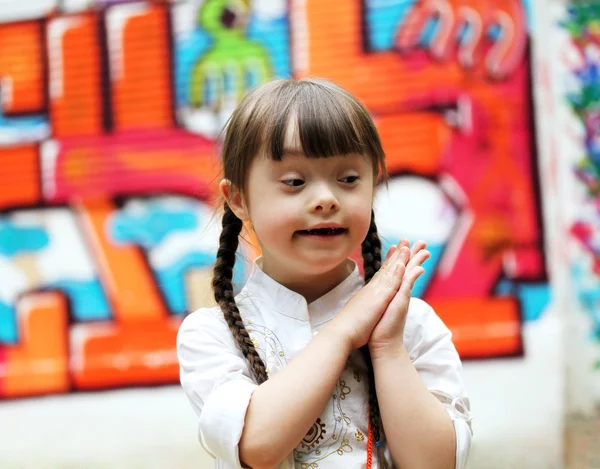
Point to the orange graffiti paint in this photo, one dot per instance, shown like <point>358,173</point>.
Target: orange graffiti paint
<point>22,67</point>
<point>74,58</point>
<point>137,347</point>
<point>39,363</point>
<point>20,176</point>
<point>140,70</point>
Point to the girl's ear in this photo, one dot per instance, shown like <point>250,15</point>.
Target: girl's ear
<point>234,199</point>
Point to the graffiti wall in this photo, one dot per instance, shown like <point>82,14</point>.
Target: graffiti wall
<point>573,151</point>
<point>109,114</point>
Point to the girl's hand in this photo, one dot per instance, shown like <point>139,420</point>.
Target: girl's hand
<point>388,333</point>
<point>364,310</point>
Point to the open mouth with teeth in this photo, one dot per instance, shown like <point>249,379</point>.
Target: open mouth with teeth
<point>323,232</point>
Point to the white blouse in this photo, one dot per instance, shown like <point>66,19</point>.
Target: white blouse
<point>218,382</point>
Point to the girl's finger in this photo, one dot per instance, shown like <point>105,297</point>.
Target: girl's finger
<point>387,282</point>
<point>418,246</point>
<point>418,259</point>
<point>391,251</point>
<point>404,242</point>
<point>415,262</point>
<point>390,259</point>
<point>404,257</point>
<point>410,278</point>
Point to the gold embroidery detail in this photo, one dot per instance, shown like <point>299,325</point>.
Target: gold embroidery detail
<point>268,345</point>
<point>345,447</point>
<point>335,441</point>
<point>344,390</point>
<point>360,436</point>
<point>357,376</point>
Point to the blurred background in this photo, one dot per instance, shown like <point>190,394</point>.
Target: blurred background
<point>489,111</point>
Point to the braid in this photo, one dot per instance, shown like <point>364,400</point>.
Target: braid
<point>224,296</point>
<point>371,252</point>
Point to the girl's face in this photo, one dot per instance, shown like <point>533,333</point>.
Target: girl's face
<point>309,215</point>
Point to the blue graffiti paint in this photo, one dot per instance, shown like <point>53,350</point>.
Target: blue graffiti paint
<point>23,128</point>
<point>16,239</point>
<point>8,324</point>
<point>150,225</point>
<point>494,32</point>
<point>429,31</point>
<point>533,297</point>
<point>383,17</point>
<point>273,35</point>
<point>171,281</point>
<point>87,299</point>
<point>187,50</point>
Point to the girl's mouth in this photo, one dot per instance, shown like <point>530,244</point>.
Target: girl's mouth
<point>323,232</point>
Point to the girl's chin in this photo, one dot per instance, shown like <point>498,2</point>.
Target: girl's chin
<point>316,265</point>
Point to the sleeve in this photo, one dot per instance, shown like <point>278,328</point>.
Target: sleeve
<point>217,382</point>
<point>436,360</point>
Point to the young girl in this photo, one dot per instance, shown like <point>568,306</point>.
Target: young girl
<point>307,366</point>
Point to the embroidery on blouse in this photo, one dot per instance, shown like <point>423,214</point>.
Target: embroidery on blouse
<point>267,345</point>
<point>344,390</point>
<point>321,442</point>
<point>314,436</point>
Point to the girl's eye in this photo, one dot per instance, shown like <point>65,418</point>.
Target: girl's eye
<point>350,179</point>
<point>293,182</point>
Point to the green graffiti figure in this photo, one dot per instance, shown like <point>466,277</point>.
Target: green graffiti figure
<point>234,64</point>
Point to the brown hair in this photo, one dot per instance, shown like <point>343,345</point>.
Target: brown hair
<point>329,121</point>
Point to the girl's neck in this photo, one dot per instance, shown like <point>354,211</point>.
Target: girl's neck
<point>311,287</point>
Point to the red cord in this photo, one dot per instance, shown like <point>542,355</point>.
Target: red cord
<point>369,446</point>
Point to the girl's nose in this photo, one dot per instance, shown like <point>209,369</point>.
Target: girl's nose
<point>325,201</point>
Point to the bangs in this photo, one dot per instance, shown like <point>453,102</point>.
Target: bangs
<point>323,122</point>
<point>320,118</point>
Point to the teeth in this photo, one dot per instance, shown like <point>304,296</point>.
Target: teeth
<point>324,231</point>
